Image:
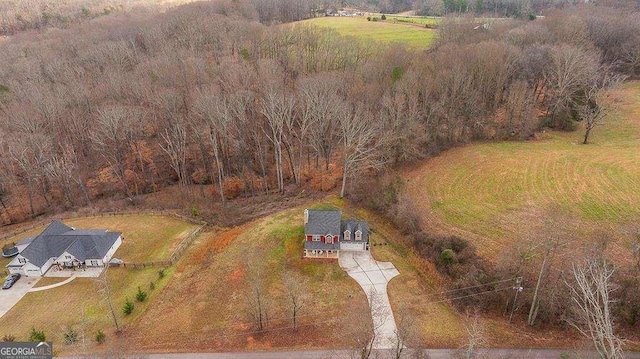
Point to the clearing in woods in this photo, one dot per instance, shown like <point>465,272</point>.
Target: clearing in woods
<point>415,36</point>
<point>496,193</point>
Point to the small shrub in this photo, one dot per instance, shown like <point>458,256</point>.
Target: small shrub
<point>194,211</point>
<point>152,286</point>
<point>374,19</point>
<point>245,54</point>
<point>100,337</point>
<point>397,73</point>
<point>128,307</point>
<point>447,256</point>
<point>141,296</point>
<point>161,273</point>
<point>37,335</point>
<point>8,338</point>
<point>368,18</point>
<point>70,336</point>
<point>384,17</point>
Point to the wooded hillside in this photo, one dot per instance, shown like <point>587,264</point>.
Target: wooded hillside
<point>126,104</point>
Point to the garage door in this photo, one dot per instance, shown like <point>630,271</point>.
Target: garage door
<point>352,246</point>
<point>16,270</point>
<point>33,272</point>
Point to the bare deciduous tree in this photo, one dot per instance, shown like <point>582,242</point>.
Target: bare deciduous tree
<point>592,316</point>
<point>175,146</point>
<point>476,339</point>
<point>257,299</point>
<point>114,132</point>
<point>296,289</point>
<point>362,141</point>
<point>103,281</point>
<point>277,107</point>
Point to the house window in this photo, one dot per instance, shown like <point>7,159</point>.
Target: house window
<point>22,260</point>
<point>67,257</point>
<point>358,235</point>
<point>347,235</point>
<point>329,239</point>
<point>316,238</point>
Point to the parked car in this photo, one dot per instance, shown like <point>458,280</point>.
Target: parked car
<point>11,279</point>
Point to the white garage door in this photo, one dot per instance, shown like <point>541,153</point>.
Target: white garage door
<point>16,270</point>
<point>352,246</point>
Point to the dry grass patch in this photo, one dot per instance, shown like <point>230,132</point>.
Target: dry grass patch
<point>204,306</point>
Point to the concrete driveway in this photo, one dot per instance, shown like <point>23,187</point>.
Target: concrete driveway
<point>9,297</point>
<point>373,277</point>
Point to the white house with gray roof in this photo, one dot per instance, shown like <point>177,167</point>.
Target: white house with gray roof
<point>64,246</point>
<point>326,234</point>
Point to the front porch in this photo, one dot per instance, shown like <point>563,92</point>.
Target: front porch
<point>320,253</point>
<point>76,271</point>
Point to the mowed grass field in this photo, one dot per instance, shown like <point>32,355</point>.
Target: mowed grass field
<point>81,304</point>
<point>496,193</point>
<point>413,35</point>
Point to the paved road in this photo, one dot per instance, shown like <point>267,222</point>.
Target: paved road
<point>344,354</point>
<point>9,297</point>
<point>373,277</point>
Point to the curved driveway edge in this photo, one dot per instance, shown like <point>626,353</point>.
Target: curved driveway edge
<point>53,285</point>
<point>373,277</point>
<point>9,297</point>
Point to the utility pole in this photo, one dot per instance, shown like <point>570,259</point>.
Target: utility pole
<point>517,288</point>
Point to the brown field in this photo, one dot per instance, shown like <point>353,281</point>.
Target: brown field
<point>202,307</point>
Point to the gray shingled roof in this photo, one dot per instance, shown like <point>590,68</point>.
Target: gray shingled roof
<point>58,238</point>
<point>353,226</point>
<point>323,222</point>
<point>320,245</point>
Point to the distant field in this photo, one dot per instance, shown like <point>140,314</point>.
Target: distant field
<point>496,193</point>
<point>413,35</point>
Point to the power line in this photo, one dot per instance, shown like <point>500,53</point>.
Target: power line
<point>304,324</point>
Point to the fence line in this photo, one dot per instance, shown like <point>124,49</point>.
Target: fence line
<point>44,222</point>
<point>175,256</point>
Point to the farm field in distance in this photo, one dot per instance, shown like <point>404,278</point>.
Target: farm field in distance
<point>496,193</point>
<point>413,35</point>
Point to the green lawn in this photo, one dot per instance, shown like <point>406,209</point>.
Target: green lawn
<point>414,36</point>
<point>495,193</point>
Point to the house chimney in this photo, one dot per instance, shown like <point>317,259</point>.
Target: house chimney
<point>306,216</point>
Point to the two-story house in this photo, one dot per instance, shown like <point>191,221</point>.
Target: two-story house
<point>326,234</point>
